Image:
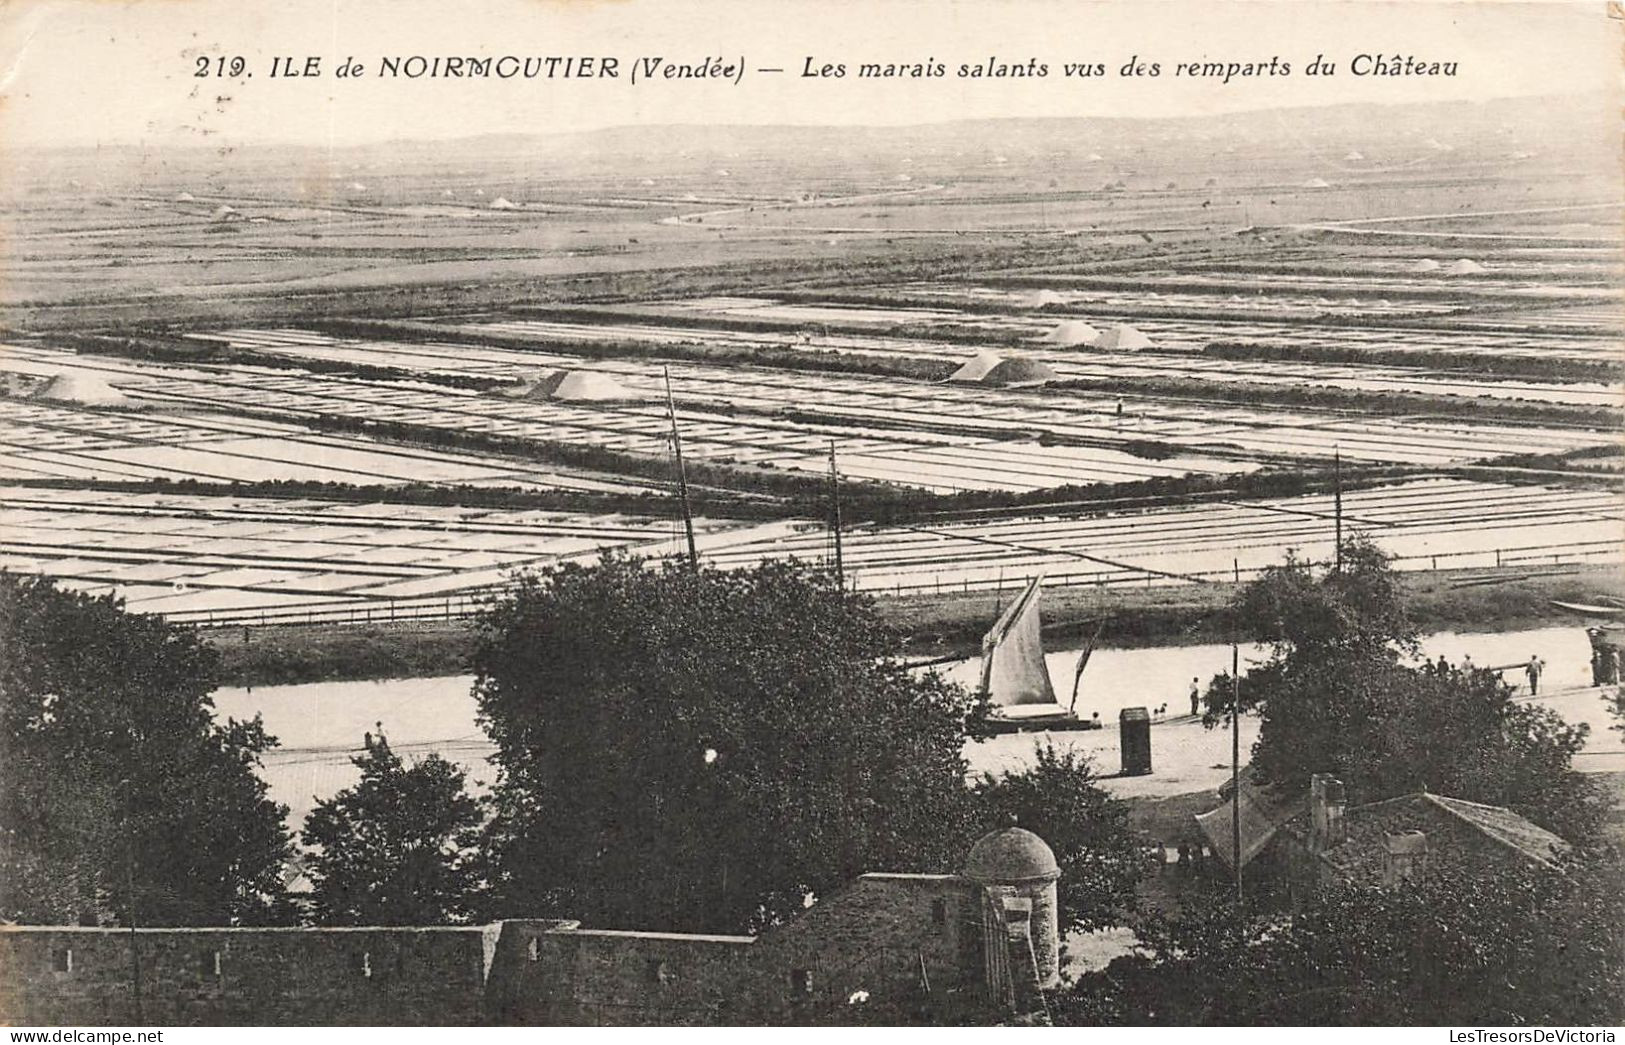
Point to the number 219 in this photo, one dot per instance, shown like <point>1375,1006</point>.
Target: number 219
<point>222,66</point>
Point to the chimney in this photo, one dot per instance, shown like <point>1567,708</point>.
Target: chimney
<point>1326,802</point>
<point>1404,856</point>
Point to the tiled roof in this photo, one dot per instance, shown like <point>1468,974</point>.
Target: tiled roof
<point>1506,827</point>
<point>1262,811</point>
<point>1369,825</point>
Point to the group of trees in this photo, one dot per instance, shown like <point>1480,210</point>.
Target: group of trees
<point>1532,946</point>
<point>120,795</point>
<point>1341,693</point>
<point>678,749</point>
<point>746,733</point>
<point>123,799</point>
<point>687,749</point>
<point>752,735</point>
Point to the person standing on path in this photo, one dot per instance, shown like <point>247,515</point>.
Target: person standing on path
<point>1536,666</point>
<point>1196,698</point>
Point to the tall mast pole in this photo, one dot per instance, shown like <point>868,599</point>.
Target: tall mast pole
<point>835,514</point>
<point>682,479</point>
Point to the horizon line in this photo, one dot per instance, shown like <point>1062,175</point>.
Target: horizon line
<point>215,143</point>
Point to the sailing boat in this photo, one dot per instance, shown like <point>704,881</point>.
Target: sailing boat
<point>1015,677</point>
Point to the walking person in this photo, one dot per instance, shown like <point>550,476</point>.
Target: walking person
<point>1536,666</point>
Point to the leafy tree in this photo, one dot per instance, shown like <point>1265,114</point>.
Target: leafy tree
<point>1060,799</point>
<point>1356,608</point>
<point>1527,946</point>
<point>120,795</point>
<point>1337,696</point>
<point>700,750</point>
<point>399,848</point>
<point>1357,611</point>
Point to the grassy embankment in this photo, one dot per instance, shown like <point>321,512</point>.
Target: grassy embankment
<point>1447,600</point>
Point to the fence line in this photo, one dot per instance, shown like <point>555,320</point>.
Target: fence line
<point>465,604</point>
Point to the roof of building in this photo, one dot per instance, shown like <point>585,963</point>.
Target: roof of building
<point>1263,810</point>
<point>1011,855</point>
<point>1506,827</point>
<point>1267,810</point>
<point>1369,826</point>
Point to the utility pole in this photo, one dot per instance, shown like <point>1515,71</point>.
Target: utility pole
<point>129,900</point>
<point>682,479</point>
<point>1235,765</point>
<point>1337,502</point>
<point>835,515</point>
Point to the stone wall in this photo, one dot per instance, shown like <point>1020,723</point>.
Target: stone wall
<point>558,975</point>
<point>892,934</point>
<point>244,976</point>
<point>917,938</point>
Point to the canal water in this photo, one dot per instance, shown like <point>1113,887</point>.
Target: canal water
<point>320,725</point>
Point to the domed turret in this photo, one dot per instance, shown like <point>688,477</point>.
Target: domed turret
<point>1011,856</point>
<point>1015,862</point>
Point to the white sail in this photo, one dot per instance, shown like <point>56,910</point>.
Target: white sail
<point>1013,669</point>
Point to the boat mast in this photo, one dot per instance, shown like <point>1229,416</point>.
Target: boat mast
<point>682,479</point>
<point>835,514</point>
<point>1083,662</point>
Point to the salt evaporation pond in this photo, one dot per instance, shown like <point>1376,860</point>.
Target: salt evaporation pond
<point>320,725</point>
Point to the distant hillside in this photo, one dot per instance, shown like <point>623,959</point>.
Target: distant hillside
<point>1576,132</point>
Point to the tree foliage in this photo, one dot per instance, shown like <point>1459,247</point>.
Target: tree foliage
<point>1357,609</point>
<point>1338,696</point>
<point>1525,946</point>
<point>1060,799</point>
<point>399,848</point>
<point>700,750</point>
<point>114,772</point>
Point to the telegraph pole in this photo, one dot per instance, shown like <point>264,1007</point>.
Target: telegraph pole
<point>1235,764</point>
<point>682,479</point>
<point>1337,502</point>
<point>129,899</point>
<point>1235,743</point>
<point>835,514</point>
